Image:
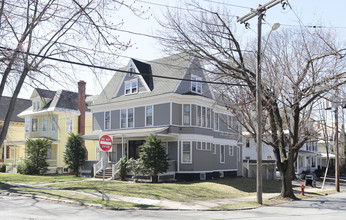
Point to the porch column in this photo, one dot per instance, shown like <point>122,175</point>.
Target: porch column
<point>122,146</point>
<point>5,152</point>
<point>14,154</point>
<point>298,164</point>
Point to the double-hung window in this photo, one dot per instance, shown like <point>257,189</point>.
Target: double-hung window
<point>203,117</point>
<point>107,120</point>
<point>27,124</point>
<point>68,124</point>
<point>34,125</point>
<point>53,119</point>
<point>216,121</point>
<point>123,118</point>
<point>131,87</point>
<point>149,115</point>
<point>186,152</point>
<point>230,150</point>
<point>130,118</point>
<point>196,86</point>
<point>44,124</point>
<point>186,114</point>
<point>127,118</point>
<point>222,154</point>
<point>198,115</point>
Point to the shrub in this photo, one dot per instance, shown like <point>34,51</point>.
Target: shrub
<point>74,154</point>
<point>153,157</point>
<point>136,167</point>
<point>2,168</point>
<point>122,169</point>
<point>35,163</point>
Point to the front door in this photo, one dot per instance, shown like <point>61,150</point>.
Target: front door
<point>134,148</point>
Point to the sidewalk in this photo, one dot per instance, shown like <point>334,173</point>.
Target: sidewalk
<point>169,204</point>
<point>165,204</point>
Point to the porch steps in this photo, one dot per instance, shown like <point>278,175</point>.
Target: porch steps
<point>108,174</point>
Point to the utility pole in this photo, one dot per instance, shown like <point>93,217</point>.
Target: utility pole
<point>337,167</point>
<point>260,11</point>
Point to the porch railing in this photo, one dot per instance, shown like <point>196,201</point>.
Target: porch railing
<point>115,169</point>
<point>98,167</point>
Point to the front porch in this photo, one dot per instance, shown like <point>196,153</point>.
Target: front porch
<point>307,161</point>
<point>15,153</point>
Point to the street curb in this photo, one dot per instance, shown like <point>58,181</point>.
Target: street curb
<point>64,201</point>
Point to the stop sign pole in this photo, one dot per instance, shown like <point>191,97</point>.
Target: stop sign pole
<point>105,143</point>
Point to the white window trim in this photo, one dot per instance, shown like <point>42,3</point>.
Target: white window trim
<point>216,128</point>
<point>110,120</point>
<point>183,115</point>
<point>182,150</point>
<point>44,123</point>
<point>213,146</point>
<point>224,154</point>
<point>133,118</point>
<point>38,125</point>
<point>51,121</point>
<point>230,151</point>
<point>130,81</point>
<point>121,118</point>
<point>71,124</point>
<point>127,118</point>
<point>195,81</point>
<point>27,119</point>
<point>152,116</point>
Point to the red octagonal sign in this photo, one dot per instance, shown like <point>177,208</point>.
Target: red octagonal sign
<point>105,143</point>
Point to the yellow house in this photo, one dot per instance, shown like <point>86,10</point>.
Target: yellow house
<point>55,114</point>
<point>10,152</point>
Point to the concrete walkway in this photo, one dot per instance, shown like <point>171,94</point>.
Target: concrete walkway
<point>166,204</point>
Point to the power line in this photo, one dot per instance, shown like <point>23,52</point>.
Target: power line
<point>233,5</point>
<point>119,70</point>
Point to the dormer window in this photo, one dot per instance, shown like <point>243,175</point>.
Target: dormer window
<point>36,105</point>
<point>196,87</point>
<point>131,87</point>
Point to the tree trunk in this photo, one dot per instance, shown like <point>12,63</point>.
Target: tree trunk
<point>286,184</point>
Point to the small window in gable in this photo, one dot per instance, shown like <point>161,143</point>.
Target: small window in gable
<point>131,87</point>
<point>132,70</point>
<point>196,87</point>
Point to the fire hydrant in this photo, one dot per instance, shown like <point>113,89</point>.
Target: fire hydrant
<point>302,189</point>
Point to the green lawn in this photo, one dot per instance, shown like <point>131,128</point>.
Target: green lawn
<point>30,179</point>
<point>180,191</point>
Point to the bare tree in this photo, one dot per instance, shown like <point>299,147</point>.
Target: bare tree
<point>299,66</point>
<point>34,31</point>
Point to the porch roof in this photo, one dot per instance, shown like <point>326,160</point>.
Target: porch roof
<point>331,155</point>
<point>308,153</point>
<point>23,141</point>
<point>95,135</point>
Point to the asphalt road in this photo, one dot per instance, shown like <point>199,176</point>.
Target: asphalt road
<point>326,207</point>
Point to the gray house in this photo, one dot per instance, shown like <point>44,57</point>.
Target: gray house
<point>201,137</point>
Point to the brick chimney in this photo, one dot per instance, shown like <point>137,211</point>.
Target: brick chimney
<point>81,118</point>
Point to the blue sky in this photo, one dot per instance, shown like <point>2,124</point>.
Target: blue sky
<point>306,12</point>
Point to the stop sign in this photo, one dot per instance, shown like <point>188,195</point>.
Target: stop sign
<point>105,143</point>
